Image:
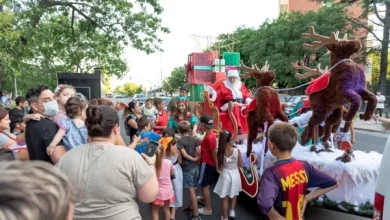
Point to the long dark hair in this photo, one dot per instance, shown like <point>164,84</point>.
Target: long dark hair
<point>129,109</point>
<point>223,140</point>
<point>187,114</point>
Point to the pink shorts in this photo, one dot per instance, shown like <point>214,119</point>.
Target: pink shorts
<point>162,202</point>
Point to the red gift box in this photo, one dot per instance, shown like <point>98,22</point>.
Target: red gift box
<point>201,59</point>
<point>199,68</point>
<point>218,76</point>
<point>199,76</point>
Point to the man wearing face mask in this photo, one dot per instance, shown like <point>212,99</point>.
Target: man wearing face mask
<point>40,133</point>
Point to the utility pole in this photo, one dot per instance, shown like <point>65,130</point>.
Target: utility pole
<point>16,88</point>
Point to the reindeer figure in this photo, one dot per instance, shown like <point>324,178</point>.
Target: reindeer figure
<point>318,130</point>
<point>346,83</point>
<point>267,103</point>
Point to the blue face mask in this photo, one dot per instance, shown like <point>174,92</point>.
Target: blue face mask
<point>51,108</point>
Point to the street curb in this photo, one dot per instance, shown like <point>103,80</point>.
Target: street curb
<point>371,130</point>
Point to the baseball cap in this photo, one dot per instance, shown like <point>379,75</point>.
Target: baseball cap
<point>183,87</point>
<point>207,120</point>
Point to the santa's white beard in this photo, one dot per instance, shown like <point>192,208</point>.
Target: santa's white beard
<point>236,85</point>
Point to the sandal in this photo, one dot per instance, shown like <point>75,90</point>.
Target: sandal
<point>188,210</point>
<point>203,212</point>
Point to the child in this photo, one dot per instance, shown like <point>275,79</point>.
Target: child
<point>189,149</point>
<point>72,130</point>
<point>166,195</point>
<point>150,111</point>
<point>62,94</point>
<point>229,181</point>
<point>168,141</point>
<point>18,125</point>
<point>145,134</point>
<point>208,159</point>
<point>283,186</point>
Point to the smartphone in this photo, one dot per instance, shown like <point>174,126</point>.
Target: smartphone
<point>151,149</point>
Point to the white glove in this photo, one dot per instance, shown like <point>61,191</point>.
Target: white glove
<point>248,100</point>
<point>224,108</point>
<point>212,92</point>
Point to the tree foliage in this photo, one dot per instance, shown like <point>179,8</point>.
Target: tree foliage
<point>280,42</point>
<point>42,37</point>
<point>175,80</point>
<point>129,89</point>
<point>376,60</point>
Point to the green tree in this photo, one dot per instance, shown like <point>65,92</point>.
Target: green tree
<point>176,79</point>
<point>376,60</point>
<point>129,89</point>
<point>167,88</point>
<point>381,10</point>
<point>280,42</point>
<point>75,36</point>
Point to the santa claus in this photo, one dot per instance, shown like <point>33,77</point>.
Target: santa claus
<point>231,90</point>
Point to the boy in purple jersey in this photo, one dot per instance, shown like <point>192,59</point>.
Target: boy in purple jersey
<point>283,186</point>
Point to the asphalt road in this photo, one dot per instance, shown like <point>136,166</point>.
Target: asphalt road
<point>247,209</point>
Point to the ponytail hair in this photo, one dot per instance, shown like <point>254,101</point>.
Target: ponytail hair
<point>159,160</point>
<point>223,140</point>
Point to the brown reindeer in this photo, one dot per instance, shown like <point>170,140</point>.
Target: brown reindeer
<point>346,83</point>
<point>319,131</point>
<point>268,106</point>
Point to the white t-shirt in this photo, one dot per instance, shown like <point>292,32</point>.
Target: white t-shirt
<point>107,177</point>
<point>380,98</point>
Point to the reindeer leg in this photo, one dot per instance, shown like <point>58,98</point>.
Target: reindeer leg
<point>331,122</point>
<point>371,104</point>
<point>252,134</point>
<point>355,101</point>
<point>319,115</point>
<point>282,116</point>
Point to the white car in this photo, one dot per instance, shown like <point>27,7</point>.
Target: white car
<point>382,191</point>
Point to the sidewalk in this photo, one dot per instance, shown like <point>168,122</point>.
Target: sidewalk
<point>372,127</point>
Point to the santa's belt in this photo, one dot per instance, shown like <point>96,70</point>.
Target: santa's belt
<point>234,100</point>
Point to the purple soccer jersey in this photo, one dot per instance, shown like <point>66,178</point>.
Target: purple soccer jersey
<point>283,186</point>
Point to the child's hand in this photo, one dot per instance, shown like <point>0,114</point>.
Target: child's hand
<point>50,150</point>
<point>36,117</point>
<point>120,105</point>
<point>136,138</point>
<point>149,160</point>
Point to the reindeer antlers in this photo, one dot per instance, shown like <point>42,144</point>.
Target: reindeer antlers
<point>320,40</point>
<point>309,72</point>
<point>265,67</point>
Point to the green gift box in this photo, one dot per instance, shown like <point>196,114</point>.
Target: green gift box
<point>231,58</point>
<point>196,92</point>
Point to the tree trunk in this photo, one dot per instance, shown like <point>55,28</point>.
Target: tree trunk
<point>385,50</point>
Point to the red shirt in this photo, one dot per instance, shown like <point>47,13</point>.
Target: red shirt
<point>162,121</point>
<point>208,144</point>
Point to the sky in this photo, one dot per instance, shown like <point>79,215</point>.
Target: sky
<point>192,17</point>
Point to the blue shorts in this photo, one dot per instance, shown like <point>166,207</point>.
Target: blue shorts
<point>206,174</point>
<point>190,178</point>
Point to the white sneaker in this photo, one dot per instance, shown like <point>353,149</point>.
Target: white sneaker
<point>368,123</point>
<point>232,213</point>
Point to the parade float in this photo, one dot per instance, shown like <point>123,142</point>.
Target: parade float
<point>328,92</point>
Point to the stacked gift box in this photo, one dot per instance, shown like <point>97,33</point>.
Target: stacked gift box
<point>208,67</point>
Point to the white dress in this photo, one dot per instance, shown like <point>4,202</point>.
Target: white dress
<point>229,182</point>
<point>177,182</point>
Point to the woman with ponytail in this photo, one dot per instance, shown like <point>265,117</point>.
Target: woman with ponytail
<point>168,141</point>
<point>113,176</point>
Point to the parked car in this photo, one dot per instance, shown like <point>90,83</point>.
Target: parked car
<point>284,97</point>
<point>382,191</point>
<point>292,101</point>
<point>120,96</point>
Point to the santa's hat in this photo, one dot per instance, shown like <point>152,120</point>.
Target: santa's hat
<point>232,73</point>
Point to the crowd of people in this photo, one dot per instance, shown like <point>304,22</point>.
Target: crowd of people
<point>96,176</point>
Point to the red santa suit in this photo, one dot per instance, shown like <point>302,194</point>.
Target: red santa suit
<point>224,92</point>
